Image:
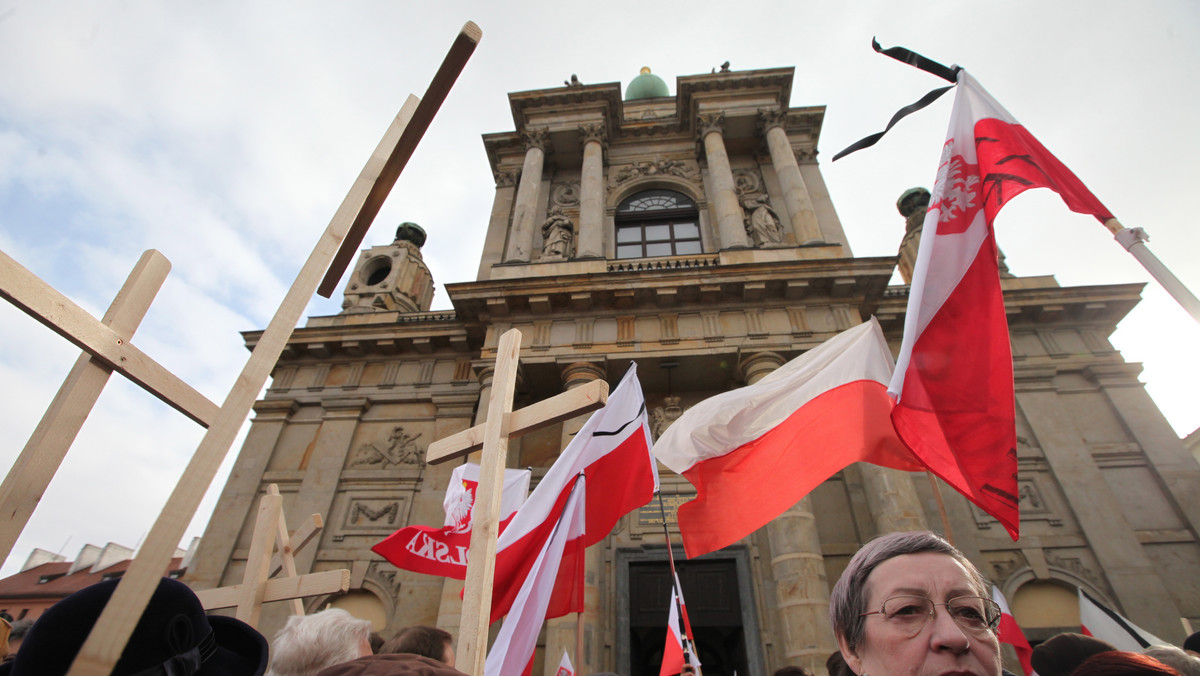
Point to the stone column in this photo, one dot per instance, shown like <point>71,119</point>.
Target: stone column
<point>731,224</point>
<point>520,238</point>
<point>893,500</point>
<point>801,586</point>
<point>239,498</point>
<point>560,632</point>
<point>591,188</point>
<point>795,193</point>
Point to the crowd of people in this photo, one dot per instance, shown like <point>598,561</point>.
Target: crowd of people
<point>906,604</point>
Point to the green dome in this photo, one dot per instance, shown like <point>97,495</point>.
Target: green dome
<point>646,86</point>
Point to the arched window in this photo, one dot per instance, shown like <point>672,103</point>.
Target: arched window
<point>657,223</point>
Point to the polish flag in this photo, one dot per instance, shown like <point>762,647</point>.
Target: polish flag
<point>953,383</point>
<point>1102,622</point>
<point>443,551</point>
<point>612,450</point>
<point>512,652</point>
<point>1010,632</point>
<point>754,452</point>
<point>677,645</point>
<point>564,666</point>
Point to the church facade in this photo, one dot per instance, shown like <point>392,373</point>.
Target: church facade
<point>693,233</point>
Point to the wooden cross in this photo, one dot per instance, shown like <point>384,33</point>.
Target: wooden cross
<point>492,436</point>
<point>257,586</point>
<point>328,261</point>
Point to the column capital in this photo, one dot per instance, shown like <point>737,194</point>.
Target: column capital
<point>709,123</point>
<point>506,178</point>
<point>769,119</point>
<point>581,373</point>
<point>535,138</point>
<point>595,131</point>
<point>758,364</point>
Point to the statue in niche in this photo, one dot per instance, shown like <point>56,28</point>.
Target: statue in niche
<point>401,449</point>
<point>665,415</point>
<point>762,223</point>
<point>558,236</point>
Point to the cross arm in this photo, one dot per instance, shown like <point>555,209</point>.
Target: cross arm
<point>280,589</point>
<point>564,406</point>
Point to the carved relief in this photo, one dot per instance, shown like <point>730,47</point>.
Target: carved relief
<point>768,119</point>
<point>707,124</point>
<point>401,449</point>
<point>1076,566</point>
<point>664,167</point>
<point>593,132</point>
<point>535,138</point>
<point>746,182</point>
<point>506,178</point>
<point>1002,564</point>
<point>762,223</point>
<point>565,195</point>
<point>662,416</point>
<point>386,575</point>
<point>372,512</point>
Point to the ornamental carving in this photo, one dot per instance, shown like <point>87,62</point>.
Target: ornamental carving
<point>399,449</point>
<point>1075,566</point>
<point>506,178</point>
<point>664,167</point>
<point>386,575</point>
<point>593,132</point>
<point>565,195</point>
<point>768,119</point>
<point>747,181</point>
<point>710,123</point>
<point>362,512</point>
<point>535,138</point>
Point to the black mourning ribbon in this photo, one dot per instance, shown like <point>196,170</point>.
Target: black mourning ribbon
<point>917,61</point>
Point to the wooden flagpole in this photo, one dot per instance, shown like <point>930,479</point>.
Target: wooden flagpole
<point>937,495</point>
<point>118,619</point>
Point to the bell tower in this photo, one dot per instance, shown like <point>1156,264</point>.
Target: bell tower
<point>391,278</point>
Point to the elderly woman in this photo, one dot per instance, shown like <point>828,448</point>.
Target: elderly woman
<point>912,604</point>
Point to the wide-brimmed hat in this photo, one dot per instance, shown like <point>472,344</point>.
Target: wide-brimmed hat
<point>174,637</point>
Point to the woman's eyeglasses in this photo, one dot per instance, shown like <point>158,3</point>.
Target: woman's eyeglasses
<point>910,614</point>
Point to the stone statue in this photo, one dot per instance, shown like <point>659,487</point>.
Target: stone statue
<point>762,223</point>
<point>558,235</point>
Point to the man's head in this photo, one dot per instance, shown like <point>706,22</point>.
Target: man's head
<point>430,642</point>
<point>309,643</point>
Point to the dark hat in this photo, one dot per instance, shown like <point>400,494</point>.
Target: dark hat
<point>1192,643</point>
<point>173,638</point>
<point>1061,654</point>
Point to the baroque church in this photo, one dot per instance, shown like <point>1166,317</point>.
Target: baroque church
<point>694,234</point>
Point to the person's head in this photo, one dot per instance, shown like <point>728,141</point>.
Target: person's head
<point>1176,658</point>
<point>173,631</point>
<point>430,642</point>
<point>17,635</point>
<point>376,640</point>
<point>836,665</point>
<point>1121,663</point>
<point>309,643</point>
<point>908,603</point>
<point>1061,654</point>
<point>1191,644</point>
<point>792,671</point>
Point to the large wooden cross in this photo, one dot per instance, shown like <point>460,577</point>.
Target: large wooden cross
<point>492,436</point>
<point>110,346</point>
<point>258,587</point>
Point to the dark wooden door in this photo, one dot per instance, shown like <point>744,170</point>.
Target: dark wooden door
<point>711,591</point>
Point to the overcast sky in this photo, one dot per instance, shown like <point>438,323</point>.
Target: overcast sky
<point>225,134</point>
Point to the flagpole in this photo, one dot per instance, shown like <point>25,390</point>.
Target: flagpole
<point>1132,239</point>
<point>674,581</point>
<point>937,495</point>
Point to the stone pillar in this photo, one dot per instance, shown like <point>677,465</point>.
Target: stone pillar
<point>561,632</point>
<point>731,225</point>
<point>1132,575</point>
<point>798,565</point>
<point>591,188</point>
<point>520,238</point>
<point>893,500</point>
<point>239,498</point>
<point>795,193</point>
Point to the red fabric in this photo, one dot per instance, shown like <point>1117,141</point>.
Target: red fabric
<point>618,483</point>
<point>1010,633</point>
<point>957,412</point>
<point>741,491</point>
<point>672,654</point>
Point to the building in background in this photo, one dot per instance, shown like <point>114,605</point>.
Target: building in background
<point>694,234</point>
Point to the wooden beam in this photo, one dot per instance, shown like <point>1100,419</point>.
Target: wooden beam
<point>254,577</point>
<point>305,533</point>
<point>113,628</point>
<point>461,50</point>
<point>45,304</point>
<point>564,406</point>
<point>281,589</point>
<point>43,454</point>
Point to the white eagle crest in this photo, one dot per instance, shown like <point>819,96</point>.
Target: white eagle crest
<point>957,190</point>
<point>459,514</point>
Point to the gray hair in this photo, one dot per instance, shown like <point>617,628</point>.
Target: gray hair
<point>848,600</point>
<point>309,643</point>
<point>1176,658</point>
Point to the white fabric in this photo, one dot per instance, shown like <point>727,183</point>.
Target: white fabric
<point>564,666</point>
<point>458,501</point>
<point>1097,622</point>
<point>518,636</point>
<point>721,424</point>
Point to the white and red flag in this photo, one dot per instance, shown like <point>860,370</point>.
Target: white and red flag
<point>676,644</point>
<point>443,551</point>
<point>612,450</point>
<point>1010,632</point>
<point>1102,622</point>
<point>753,452</point>
<point>512,652</point>
<point>953,383</point>
<point>565,668</point>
